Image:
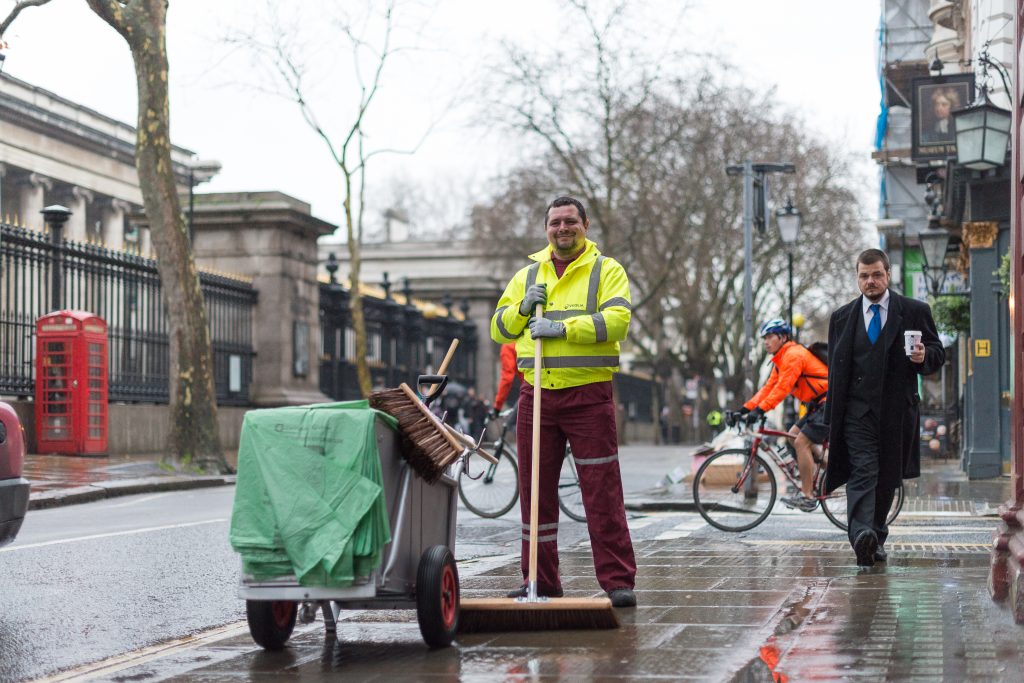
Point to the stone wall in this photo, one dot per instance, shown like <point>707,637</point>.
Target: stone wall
<point>141,429</point>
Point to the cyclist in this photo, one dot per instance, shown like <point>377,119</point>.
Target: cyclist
<point>796,371</point>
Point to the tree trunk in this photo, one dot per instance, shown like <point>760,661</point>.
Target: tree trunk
<point>194,438</point>
<point>356,300</point>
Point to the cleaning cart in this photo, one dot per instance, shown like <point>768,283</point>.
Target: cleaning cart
<point>415,568</point>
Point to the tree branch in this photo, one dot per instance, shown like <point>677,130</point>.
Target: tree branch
<point>24,4</point>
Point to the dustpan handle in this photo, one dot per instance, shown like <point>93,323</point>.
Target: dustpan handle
<point>437,382</point>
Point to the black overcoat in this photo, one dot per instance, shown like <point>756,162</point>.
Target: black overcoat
<point>899,431</point>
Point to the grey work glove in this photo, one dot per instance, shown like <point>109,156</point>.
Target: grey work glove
<point>535,294</point>
<point>542,327</point>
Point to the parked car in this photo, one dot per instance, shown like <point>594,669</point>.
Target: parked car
<point>13,487</point>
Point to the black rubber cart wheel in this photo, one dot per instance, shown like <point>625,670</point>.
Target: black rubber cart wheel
<point>437,596</point>
<point>271,621</point>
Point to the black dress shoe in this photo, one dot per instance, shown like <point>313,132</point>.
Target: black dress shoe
<point>622,597</point>
<point>881,555</point>
<point>865,546</point>
<point>541,592</point>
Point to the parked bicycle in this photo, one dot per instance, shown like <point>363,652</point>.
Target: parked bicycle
<point>494,491</point>
<point>735,489</point>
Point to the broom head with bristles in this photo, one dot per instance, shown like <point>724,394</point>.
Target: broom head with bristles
<point>425,443</point>
<point>492,615</point>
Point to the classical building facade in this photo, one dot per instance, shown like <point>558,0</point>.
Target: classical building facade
<point>55,151</point>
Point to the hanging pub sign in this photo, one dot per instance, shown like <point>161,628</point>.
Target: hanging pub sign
<point>934,99</point>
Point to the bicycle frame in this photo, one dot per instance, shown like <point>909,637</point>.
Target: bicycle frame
<point>756,439</point>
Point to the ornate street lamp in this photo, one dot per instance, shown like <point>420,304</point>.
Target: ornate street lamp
<point>934,242</point>
<point>982,134</point>
<point>983,129</point>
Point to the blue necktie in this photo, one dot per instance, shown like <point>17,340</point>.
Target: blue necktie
<point>875,325</point>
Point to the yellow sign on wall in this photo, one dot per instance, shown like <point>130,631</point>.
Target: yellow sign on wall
<point>982,348</point>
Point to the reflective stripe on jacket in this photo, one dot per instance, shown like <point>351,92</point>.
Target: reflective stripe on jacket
<point>795,371</point>
<point>591,298</point>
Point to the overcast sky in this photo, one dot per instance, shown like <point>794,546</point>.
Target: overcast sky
<point>819,54</point>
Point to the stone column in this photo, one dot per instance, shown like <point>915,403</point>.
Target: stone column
<point>31,199</point>
<point>113,223</point>
<point>76,229</point>
<point>145,241</point>
<point>4,210</point>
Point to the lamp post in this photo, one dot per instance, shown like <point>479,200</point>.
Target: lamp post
<point>754,176</point>
<point>789,221</point>
<point>199,171</point>
<point>934,242</point>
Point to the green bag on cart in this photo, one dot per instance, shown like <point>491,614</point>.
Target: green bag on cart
<point>309,500</point>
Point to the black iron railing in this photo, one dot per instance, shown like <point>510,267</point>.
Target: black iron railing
<point>123,289</point>
<point>401,344</point>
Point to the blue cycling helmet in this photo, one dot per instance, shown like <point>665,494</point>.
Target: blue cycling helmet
<point>774,326</point>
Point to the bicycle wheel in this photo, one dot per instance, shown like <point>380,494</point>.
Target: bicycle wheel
<point>723,495</point>
<point>834,507</point>
<point>494,493</point>
<point>570,498</point>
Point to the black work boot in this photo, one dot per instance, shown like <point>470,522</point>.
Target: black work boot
<point>622,597</point>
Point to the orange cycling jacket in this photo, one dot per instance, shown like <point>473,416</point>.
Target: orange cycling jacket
<point>795,371</point>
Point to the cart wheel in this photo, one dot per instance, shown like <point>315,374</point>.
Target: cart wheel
<point>437,596</point>
<point>270,622</point>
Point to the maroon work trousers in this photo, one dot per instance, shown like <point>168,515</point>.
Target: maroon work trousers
<point>585,416</point>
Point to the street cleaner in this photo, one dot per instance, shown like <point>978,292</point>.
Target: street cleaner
<point>586,303</point>
<point>796,371</point>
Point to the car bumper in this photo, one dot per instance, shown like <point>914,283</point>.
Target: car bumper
<point>13,504</point>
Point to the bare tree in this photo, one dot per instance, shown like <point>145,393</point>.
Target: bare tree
<point>194,439</point>
<point>646,151</point>
<point>279,50</point>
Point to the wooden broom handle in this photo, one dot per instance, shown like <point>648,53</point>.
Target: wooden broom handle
<point>535,452</point>
<point>444,364</point>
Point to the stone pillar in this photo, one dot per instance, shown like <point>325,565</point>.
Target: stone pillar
<point>32,190</point>
<point>113,223</point>
<point>145,241</point>
<point>4,210</point>
<point>76,229</point>
<point>270,237</point>
<point>983,450</point>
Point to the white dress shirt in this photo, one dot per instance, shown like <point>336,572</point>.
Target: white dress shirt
<point>883,311</point>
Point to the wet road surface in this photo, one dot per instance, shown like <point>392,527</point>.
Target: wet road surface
<point>713,607</point>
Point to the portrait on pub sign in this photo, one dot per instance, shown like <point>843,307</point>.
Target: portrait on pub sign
<point>934,100</point>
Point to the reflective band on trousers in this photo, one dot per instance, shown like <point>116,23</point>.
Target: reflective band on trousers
<point>542,539</point>
<point>595,461</point>
<point>571,362</point>
<point>541,527</point>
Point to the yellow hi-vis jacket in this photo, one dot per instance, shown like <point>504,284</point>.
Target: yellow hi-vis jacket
<point>591,298</point>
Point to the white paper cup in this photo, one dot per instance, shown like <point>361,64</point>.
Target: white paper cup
<point>911,338</point>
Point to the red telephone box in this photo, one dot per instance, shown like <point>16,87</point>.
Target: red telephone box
<point>71,383</point>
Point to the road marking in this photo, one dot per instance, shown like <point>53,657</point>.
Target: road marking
<point>112,665</point>
<point>847,543</point>
<point>136,501</point>
<point>93,537</point>
<point>682,530</point>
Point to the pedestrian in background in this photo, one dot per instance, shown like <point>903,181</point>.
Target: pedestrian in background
<point>586,303</point>
<point>872,404</point>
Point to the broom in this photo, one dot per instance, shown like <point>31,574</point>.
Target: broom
<point>533,613</point>
<point>426,443</point>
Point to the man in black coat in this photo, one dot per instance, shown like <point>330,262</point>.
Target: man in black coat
<point>872,404</point>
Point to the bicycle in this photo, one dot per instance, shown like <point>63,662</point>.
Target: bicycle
<point>494,492</point>
<point>730,499</point>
